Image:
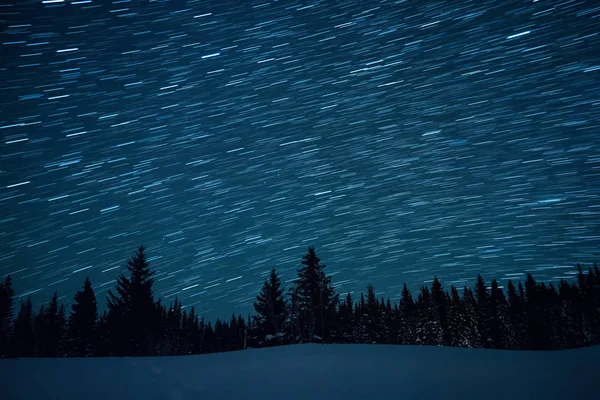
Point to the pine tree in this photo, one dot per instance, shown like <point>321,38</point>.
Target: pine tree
<point>103,343</point>
<point>516,315</point>
<point>483,312</point>
<point>494,328</point>
<point>271,311</point>
<point>429,330</point>
<point>315,299</point>
<point>571,319</point>
<point>82,322</point>
<point>23,338</point>
<point>49,329</point>
<point>406,317</point>
<point>7,295</point>
<point>370,322</point>
<point>389,322</point>
<point>439,309</point>
<point>457,321</point>
<point>537,328</point>
<point>471,327</point>
<point>132,311</point>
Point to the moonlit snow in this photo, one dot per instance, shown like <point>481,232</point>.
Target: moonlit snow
<point>311,372</point>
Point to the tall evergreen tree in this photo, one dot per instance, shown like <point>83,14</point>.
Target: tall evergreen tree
<point>483,312</point>
<point>23,338</point>
<point>7,295</point>
<point>49,329</point>
<point>538,335</point>
<point>439,309</point>
<point>82,322</point>
<point>457,329</point>
<point>315,298</point>
<point>346,320</point>
<point>407,317</point>
<point>429,329</point>
<point>132,311</point>
<point>494,322</point>
<point>271,311</point>
<point>370,322</point>
<point>471,326</point>
<point>516,315</point>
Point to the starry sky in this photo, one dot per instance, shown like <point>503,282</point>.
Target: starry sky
<point>402,139</point>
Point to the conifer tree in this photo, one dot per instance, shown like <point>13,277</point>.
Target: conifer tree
<point>439,309</point>
<point>82,322</point>
<point>315,298</point>
<point>471,326</point>
<point>539,337</point>
<point>494,321</point>
<point>571,320</point>
<point>23,338</point>
<point>482,297</point>
<point>271,312</point>
<point>370,319</point>
<point>346,320</point>
<point>429,330</point>
<point>49,329</point>
<point>516,316</point>
<point>407,322</point>
<point>457,329</point>
<point>7,295</point>
<point>132,310</point>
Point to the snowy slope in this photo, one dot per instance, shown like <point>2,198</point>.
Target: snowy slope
<point>366,372</point>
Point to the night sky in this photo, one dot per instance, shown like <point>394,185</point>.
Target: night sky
<point>402,139</point>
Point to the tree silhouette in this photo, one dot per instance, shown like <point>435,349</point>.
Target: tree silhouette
<point>132,311</point>
<point>81,329</point>
<point>315,299</point>
<point>270,310</point>
<point>536,316</point>
<point>7,295</point>
<point>23,339</point>
<point>49,328</point>
<point>407,317</point>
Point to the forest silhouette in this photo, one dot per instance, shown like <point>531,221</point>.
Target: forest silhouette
<point>529,316</point>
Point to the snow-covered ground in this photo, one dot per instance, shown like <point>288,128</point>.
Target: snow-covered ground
<point>365,372</point>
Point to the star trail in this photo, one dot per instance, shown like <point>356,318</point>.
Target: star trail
<point>402,139</point>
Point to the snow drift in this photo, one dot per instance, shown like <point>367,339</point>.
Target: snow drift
<point>311,371</point>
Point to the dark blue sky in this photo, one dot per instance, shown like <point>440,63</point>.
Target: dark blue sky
<point>402,139</point>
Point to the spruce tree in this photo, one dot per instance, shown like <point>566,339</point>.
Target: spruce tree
<point>439,309</point>
<point>132,311</point>
<point>516,314</point>
<point>315,298</point>
<point>345,320</point>
<point>371,319</point>
<point>494,328</point>
<point>7,295</point>
<point>429,330</point>
<point>483,312</point>
<point>571,320</point>
<point>271,312</point>
<point>407,322</point>
<point>23,338</point>
<point>82,322</point>
<point>457,329</point>
<point>539,337</point>
<point>471,327</point>
<point>49,329</point>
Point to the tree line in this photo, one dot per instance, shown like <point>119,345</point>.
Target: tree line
<point>529,316</point>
